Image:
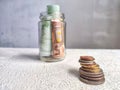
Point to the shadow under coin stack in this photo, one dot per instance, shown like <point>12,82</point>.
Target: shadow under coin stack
<point>90,72</point>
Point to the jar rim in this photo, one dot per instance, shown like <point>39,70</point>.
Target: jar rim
<point>45,14</point>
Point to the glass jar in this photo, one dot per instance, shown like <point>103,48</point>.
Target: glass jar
<point>52,34</point>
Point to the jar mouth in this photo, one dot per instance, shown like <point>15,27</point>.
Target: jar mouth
<point>57,14</point>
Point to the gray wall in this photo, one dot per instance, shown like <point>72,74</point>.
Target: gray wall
<point>90,23</point>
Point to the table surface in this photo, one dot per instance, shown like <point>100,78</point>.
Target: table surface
<point>21,69</point>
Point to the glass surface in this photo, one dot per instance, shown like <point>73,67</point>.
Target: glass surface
<point>46,43</point>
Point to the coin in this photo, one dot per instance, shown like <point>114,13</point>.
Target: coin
<point>87,58</point>
<point>92,82</point>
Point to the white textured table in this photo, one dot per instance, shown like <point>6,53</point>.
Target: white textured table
<point>20,69</point>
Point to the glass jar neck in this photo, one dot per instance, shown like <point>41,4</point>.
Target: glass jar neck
<point>57,15</point>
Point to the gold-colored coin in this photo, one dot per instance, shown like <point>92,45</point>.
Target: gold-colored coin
<point>91,67</point>
<point>91,70</point>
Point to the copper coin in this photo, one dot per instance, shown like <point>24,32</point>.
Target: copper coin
<point>88,58</point>
<point>92,78</point>
<point>92,82</point>
<point>84,61</point>
<point>87,64</point>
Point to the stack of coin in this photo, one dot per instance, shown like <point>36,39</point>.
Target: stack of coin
<point>90,72</point>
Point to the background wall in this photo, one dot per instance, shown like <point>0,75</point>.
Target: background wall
<point>90,23</point>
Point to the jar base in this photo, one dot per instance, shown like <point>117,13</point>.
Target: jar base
<point>51,59</point>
